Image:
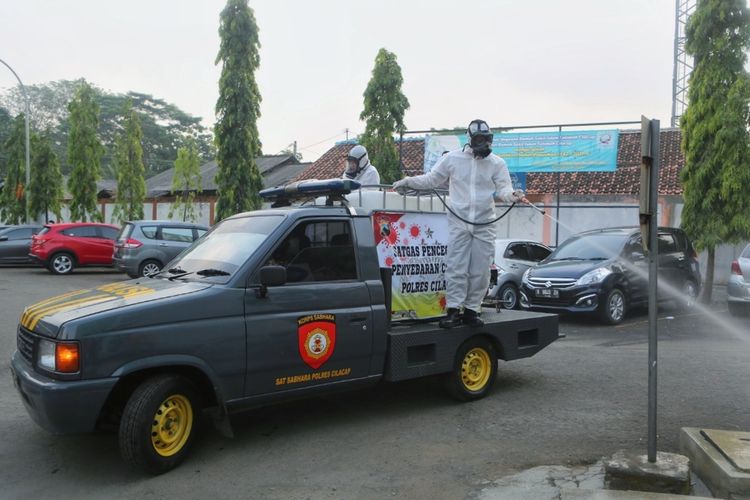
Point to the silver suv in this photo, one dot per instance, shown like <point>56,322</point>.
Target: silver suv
<point>143,247</point>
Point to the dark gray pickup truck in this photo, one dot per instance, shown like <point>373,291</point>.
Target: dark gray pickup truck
<point>268,306</point>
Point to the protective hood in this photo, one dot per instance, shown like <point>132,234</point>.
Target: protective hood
<point>46,317</point>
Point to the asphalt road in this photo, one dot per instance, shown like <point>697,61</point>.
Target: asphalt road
<point>582,398</point>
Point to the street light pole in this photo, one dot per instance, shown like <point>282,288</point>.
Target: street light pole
<point>28,154</point>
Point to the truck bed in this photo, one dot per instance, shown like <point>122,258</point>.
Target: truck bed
<point>422,349</point>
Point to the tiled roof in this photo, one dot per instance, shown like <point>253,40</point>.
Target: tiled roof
<point>273,169</point>
<point>624,181</point>
<point>331,164</point>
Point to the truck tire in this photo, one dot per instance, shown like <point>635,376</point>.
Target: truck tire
<point>474,370</point>
<point>158,423</point>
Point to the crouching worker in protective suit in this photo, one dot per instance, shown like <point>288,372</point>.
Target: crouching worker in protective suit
<point>359,168</point>
<point>477,178</point>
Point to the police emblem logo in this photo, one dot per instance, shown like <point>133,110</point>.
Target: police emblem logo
<point>317,338</point>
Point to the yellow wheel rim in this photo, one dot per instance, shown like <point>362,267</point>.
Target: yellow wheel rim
<point>476,369</point>
<point>172,425</point>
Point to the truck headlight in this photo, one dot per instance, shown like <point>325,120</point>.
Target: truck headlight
<point>60,357</point>
<point>595,276</point>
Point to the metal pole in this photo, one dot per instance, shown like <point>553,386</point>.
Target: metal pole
<point>400,154</point>
<point>674,61</point>
<point>557,178</point>
<point>653,256</point>
<point>28,154</point>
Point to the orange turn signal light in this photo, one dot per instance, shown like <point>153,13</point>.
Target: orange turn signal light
<point>66,358</point>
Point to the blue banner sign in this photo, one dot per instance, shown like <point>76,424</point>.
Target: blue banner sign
<point>569,151</point>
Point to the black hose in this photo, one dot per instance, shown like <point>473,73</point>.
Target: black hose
<point>470,222</point>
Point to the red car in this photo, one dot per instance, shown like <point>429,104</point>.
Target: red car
<point>63,247</point>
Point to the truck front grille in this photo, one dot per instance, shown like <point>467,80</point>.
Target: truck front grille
<point>25,343</point>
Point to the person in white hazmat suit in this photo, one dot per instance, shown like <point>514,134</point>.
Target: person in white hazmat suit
<point>477,178</point>
<point>359,168</point>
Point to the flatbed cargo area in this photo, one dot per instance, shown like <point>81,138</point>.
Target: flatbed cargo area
<point>423,348</point>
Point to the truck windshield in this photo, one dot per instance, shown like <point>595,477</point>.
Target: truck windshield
<point>225,248</point>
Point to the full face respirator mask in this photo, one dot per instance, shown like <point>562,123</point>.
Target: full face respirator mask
<point>480,138</point>
<point>356,161</point>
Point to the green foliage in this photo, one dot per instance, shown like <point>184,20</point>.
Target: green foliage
<point>46,186</point>
<point>186,183</point>
<point>714,126</point>
<point>85,151</point>
<point>238,180</point>
<point>13,195</point>
<point>165,126</point>
<point>385,106</point>
<point>131,185</point>
<point>6,126</point>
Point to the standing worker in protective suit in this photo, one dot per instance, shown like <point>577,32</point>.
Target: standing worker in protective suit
<point>477,178</point>
<point>359,168</point>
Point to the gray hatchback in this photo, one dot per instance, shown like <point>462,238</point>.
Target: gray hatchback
<point>144,247</point>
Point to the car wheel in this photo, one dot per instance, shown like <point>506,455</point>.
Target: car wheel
<point>62,263</point>
<point>613,307</point>
<point>158,424</point>
<point>148,268</point>
<point>739,310</point>
<point>474,370</point>
<point>508,296</point>
<point>689,296</point>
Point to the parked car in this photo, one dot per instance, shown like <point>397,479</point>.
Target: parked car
<point>144,247</point>
<point>738,288</point>
<point>512,259</point>
<point>63,247</point>
<point>605,271</point>
<point>15,242</point>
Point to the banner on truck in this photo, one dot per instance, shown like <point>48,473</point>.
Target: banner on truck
<point>569,151</point>
<point>414,246</point>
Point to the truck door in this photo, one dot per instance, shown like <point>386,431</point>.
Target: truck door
<point>317,328</point>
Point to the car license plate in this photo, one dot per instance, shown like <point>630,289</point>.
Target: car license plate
<point>547,292</point>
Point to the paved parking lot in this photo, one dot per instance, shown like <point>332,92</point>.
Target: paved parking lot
<point>582,398</point>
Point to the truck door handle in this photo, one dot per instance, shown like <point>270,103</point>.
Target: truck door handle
<point>358,319</point>
<point>163,245</point>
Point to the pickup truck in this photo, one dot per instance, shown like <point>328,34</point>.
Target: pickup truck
<point>268,306</point>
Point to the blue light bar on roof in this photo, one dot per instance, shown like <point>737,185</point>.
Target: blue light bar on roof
<point>312,188</point>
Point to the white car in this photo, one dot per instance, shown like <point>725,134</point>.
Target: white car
<point>512,258</point>
<point>738,288</point>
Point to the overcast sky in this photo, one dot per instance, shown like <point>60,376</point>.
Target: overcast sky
<point>511,62</point>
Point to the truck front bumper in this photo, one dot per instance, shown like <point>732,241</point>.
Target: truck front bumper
<point>60,406</point>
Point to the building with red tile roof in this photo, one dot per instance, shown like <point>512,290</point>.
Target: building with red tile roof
<point>624,181</point>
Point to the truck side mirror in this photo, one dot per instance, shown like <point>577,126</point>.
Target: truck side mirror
<point>270,276</point>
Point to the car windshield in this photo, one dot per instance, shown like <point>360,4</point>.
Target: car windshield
<point>222,251</point>
<point>597,246</point>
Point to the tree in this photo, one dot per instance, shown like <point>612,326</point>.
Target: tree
<point>85,152</point>
<point>6,126</point>
<point>186,182</point>
<point>131,185</point>
<point>13,196</point>
<point>715,129</point>
<point>385,106</point>
<point>238,180</point>
<point>165,126</point>
<point>46,186</point>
